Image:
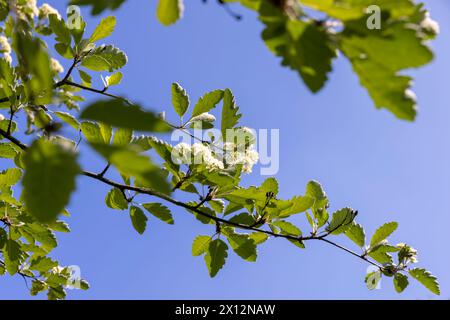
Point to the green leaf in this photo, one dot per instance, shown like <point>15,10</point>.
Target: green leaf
<point>68,118</point>
<point>314,190</point>
<point>60,29</point>
<point>104,29</point>
<point>342,220</point>
<point>230,115</point>
<point>114,79</point>
<point>49,179</point>
<point>356,234</point>
<point>242,245</point>
<point>116,200</point>
<point>85,78</point>
<point>164,150</point>
<point>200,245</point>
<point>159,211</point>
<point>118,114</point>
<point>122,137</point>
<point>259,237</point>
<point>377,54</point>
<point>303,46</point>
<point>92,132</point>
<point>400,282</point>
<point>11,255</point>
<point>207,102</point>
<point>169,11</point>
<point>105,58</point>
<point>43,264</point>
<point>383,232</point>
<point>10,177</point>
<point>130,162</point>
<point>215,256</point>
<point>180,99</point>
<point>426,279</point>
<point>287,228</point>
<point>106,132</point>
<point>138,219</point>
<point>299,204</point>
<point>7,151</point>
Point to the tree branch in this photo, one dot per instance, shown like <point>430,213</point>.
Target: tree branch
<point>196,209</point>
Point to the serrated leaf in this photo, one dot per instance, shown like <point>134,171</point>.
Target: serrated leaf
<point>200,245</point>
<point>230,115</point>
<point>60,29</point>
<point>138,219</point>
<point>304,46</point>
<point>105,58</point>
<point>287,228</point>
<point>49,179</point>
<point>400,282</point>
<point>116,200</point>
<point>180,99</point>
<point>10,177</point>
<point>114,79</point>
<point>122,137</point>
<point>242,245</point>
<point>159,211</point>
<point>426,279</point>
<point>11,255</point>
<point>92,132</point>
<point>207,102</point>
<point>341,221</point>
<point>259,237</point>
<point>104,29</point>
<point>68,118</point>
<point>215,256</point>
<point>383,232</point>
<point>118,114</point>
<point>7,151</point>
<point>356,234</point>
<point>169,11</point>
<point>314,190</point>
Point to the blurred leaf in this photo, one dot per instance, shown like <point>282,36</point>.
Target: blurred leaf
<point>49,179</point>
<point>169,11</point>
<point>118,114</point>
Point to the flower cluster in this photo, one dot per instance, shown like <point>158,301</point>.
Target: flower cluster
<point>238,151</point>
<point>198,153</point>
<point>46,10</point>
<point>56,66</point>
<point>407,254</point>
<point>429,25</point>
<point>5,48</point>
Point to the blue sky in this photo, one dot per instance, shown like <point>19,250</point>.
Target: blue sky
<point>365,158</point>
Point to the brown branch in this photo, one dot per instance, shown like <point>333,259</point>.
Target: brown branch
<point>196,209</point>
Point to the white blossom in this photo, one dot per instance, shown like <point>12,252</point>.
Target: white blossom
<point>430,25</point>
<point>56,66</point>
<point>45,10</point>
<point>181,153</point>
<point>204,117</point>
<point>5,47</point>
<point>2,117</point>
<point>203,155</point>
